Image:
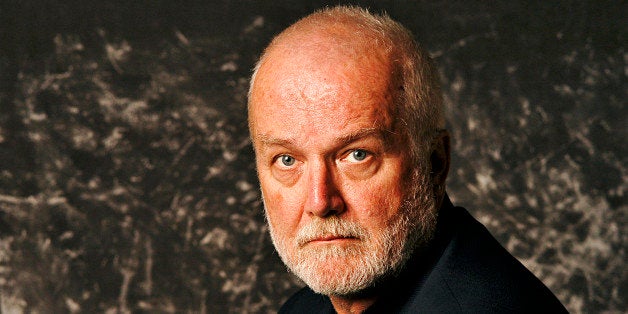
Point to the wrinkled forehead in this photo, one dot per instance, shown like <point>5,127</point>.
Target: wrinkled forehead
<point>332,54</point>
<point>326,79</point>
<point>335,63</point>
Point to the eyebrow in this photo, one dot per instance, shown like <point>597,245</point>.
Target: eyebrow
<point>341,141</point>
<point>362,133</point>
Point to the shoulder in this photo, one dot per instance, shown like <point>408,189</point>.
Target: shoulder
<point>476,272</point>
<point>307,301</point>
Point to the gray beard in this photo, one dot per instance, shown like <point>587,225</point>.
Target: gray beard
<point>377,256</point>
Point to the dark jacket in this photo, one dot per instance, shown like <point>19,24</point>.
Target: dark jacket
<point>464,270</point>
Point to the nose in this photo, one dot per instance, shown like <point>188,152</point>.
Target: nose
<point>323,196</point>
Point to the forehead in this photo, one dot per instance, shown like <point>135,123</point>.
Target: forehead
<point>316,76</point>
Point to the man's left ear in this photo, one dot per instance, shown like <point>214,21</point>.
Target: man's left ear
<point>439,160</point>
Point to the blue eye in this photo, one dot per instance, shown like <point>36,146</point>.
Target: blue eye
<point>287,160</point>
<point>359,154</point>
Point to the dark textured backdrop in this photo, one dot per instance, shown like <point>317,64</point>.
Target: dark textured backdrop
<point>126,174</point>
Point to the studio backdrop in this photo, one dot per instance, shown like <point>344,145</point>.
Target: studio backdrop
<point>127,178</point>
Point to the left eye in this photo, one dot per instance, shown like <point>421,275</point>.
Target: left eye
<point>358,155</point>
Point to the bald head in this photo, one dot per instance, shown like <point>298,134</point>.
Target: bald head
<point>345,37</point>
<point>341,32</point>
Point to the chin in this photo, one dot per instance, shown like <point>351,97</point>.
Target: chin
<point>345,281</point>
<point>342,270</point>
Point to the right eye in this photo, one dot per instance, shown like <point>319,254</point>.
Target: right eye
<point>286,160</point>
<point>286,169</point>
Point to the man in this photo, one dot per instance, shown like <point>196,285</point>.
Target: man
<point>345,114</point>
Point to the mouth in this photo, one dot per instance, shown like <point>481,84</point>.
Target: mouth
<point>329,239</point>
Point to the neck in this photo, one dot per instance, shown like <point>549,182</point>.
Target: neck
<point>360,301</point>
<point>351,305</point>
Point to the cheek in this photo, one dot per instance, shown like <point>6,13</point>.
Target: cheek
<point>282,211</point>
<point>378,200</point>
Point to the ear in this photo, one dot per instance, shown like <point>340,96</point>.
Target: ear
<point>439,160</point>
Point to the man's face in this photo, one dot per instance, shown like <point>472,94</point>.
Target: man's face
<point>338,191</point>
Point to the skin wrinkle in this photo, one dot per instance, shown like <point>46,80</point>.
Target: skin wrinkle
<point>265,140</point>
<point>318,84</point>
<point>320,113</point>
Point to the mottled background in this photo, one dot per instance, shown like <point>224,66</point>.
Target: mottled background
<point>126,173</point>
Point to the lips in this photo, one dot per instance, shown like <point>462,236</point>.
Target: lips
<point>327,238</point>
<point>330,230</point>
<point>330,238</point>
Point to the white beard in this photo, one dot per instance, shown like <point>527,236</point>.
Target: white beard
<point>346,270</point>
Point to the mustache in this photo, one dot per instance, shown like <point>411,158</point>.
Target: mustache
<point>330,227</point>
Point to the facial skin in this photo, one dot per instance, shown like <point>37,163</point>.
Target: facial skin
<point>346,197</point>
<point>344,205</point>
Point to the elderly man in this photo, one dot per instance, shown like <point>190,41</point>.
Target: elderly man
<point>345,114</point>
